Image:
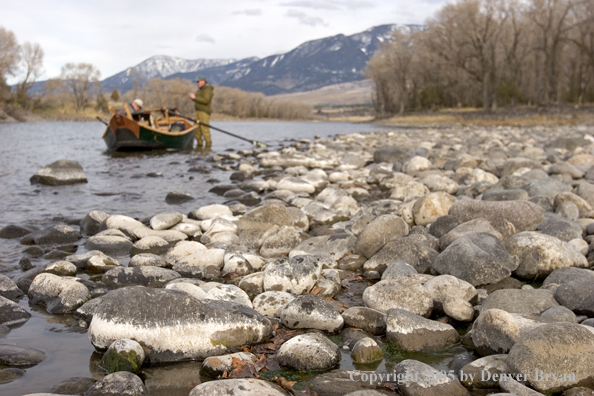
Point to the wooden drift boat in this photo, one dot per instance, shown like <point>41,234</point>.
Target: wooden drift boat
<point>142,131</point>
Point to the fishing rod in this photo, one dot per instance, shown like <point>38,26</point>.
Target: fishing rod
<point>102,120</point>
<point>254,142</point>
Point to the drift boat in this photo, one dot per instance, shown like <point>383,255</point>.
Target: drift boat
<point>141,131</point>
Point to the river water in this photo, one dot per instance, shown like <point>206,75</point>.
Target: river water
<point>117,184</point>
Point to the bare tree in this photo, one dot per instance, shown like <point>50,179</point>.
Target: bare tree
<point>9,59</point>
<point>81,79</point>
<point>32,64</point>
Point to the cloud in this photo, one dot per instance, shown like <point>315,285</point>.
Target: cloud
<point>250,12</point>
<point>305,19</point>
<point>330,4</point>
<point>205,38</point>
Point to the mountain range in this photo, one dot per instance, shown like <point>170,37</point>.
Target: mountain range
<point>311,65</point>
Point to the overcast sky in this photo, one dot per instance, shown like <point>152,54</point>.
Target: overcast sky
<point>114,35</point>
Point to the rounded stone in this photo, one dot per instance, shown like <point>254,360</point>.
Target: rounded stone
<point>311,351</point>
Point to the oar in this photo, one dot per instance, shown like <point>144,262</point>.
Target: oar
<point>254,142</point>
<point>102,120</point>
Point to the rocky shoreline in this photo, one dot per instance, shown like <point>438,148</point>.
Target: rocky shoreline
<point>420,240</point>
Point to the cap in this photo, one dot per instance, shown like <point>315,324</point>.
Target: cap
<point>199,78</point>
<point>138,102</point>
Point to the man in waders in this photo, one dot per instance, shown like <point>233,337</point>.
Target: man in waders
<point>202,99</point>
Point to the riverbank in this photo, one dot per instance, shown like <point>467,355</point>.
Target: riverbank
<point>428,253</point>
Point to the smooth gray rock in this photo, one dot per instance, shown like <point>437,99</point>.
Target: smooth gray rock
<point>432,206</point>
<point>311,351</point>
<point>410,250</point>
<point>513,194</point>
<point>560,227</point>
<point>420,379</point>
<point>165,220</point>
<point>397,269</point>
<point>366,350</point>
<point>109,244</point>
<point>569,274</point>
<point>174,326</point>
<point>335,246</point>
<point>238,387</point>
<point>539,255</point>
<point>150,244</point>
<point>311,312</point>
<point>478,259</point>
<point>577,296</point>
<point>391,154</point>
<point>560,349</point>
<point>93,223</point>
<point>378,232</point>
<point>59,295</point>
<point>507,217</point>
<point>73,386</point>
<point>484,372</point>
<point>14,231</point>
<point>147,260</point>
<point>412,332</point>
<point>60,234</point>
<point>141,276</point>
<point>524,302</point>
<point>403,293</point>
<point>443,225</point>
<point>9,289</point>
<point>59,173</point>
<point>117,384</point>
<point>559,314</point>
<point>271,303</point>
<point>470,227</point>
<point>298,275</point>
<point>367,319</point>
<point>177,197</point>
<point>548,187</point>
<point>14,355</point>
<point>123,355</point>
<point>281,242</point>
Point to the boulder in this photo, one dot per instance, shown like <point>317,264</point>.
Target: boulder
<point>402,293</point>
<point>524,301</point>
<point>59,295</point>
<point>11,313</point>
<point>14,355</point>
<point>411,332</point>
<point>378,232</point>
<point>431,207</point>
<point>420,379</point>
<point>238,387</point>
<point>298,275</point>
<point>59,173</point>
<point>117,384</point>
<point>367,319</point>
<point>311,312</point>
<point>308,352</point>
<point>141,276</point>
<point>173,326</point>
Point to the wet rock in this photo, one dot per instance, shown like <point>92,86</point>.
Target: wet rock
<point>565,350</point>
<point>366,350</point>
<point>138,276</point>
<point>177,197</point>
<point>9,289</point>
<point>73,386</point>
<point>478,259</point>
<point>311,312</point>
<point>215,366</point>
<point>402,293</point>
<point>11,313</point>
<point>412,332</point>
<point>59,295</point>
<point>93,223</point>
<point>87,310</point>
<point>539,255</point>
<point>123,355</point>
<point>432,206</point>
<point>174,326</point>
<point>507,217</point>
<point>420,379</point>
<point>147,260</point>
<point>525,301</point>
<point>13,231</point>
<point>307,352</point>
<point>270,303</point>
<point>298,275</point>
<point>577,296</point>
<point>109,244</point>
<point>60,173</point>
<point>14,355</point>
<point>57,235</point>
<point>412,251</point>
<point>238,387</point>
<point>496,331</point>
<point>378,232</point>
<point>10,374</point>
<point>117,384</point>
<point>484,373</point>
<point>205,264</point>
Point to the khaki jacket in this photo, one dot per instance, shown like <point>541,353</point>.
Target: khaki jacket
<point>203,98</point>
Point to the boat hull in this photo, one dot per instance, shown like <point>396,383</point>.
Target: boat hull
<point>124,134</point>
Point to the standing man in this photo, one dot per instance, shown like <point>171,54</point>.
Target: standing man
<point>202,99</point>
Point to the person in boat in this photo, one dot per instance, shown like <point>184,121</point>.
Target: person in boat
<point>135,109</point>
<point>202,99</point>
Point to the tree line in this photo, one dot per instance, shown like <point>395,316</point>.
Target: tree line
<point>489,53</point>
<point>78,88</point>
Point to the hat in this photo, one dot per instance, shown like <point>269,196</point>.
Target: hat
<point>199,78</point>
<point>138,102</point>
